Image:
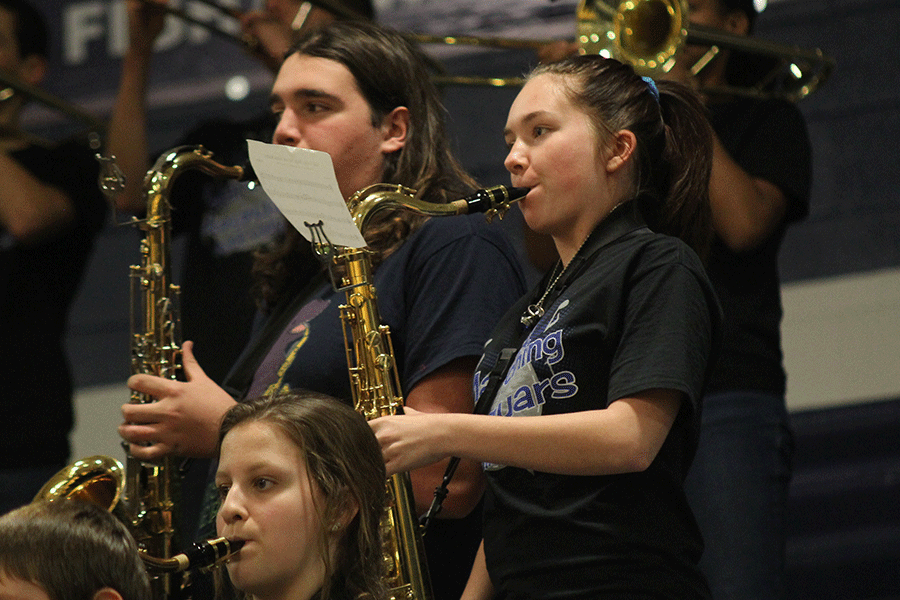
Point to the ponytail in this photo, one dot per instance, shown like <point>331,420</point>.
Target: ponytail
<point>688,158</point>
<point>673,160</point>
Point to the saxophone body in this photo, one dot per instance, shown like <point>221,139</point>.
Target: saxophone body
<point>376,392</point>
<point>144,495</point>
<point>372,367</point>
<point>152,490</point>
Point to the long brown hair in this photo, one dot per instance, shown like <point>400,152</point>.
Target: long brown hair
<point>344,460</point>
<point>390,72</point>
<point>674,140</point>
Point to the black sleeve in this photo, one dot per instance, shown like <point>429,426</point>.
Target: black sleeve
<point>776,147</point>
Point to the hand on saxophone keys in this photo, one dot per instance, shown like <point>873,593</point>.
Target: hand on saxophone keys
<point>183,419</point>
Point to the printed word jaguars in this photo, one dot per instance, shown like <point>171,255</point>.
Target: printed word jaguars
<point>530,381</point>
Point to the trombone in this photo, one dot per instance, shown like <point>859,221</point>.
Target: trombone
<point>644,33</point>
<point>12,87</point>
<point>649,33</point>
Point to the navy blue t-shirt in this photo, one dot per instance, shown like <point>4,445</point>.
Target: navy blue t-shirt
<point>38,283</point>
<point>440,293</point>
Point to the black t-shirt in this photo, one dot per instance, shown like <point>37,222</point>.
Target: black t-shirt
<point>38,283</point>
<point>634,311</point>
<point>768,139</point>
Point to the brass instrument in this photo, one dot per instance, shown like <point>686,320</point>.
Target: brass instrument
<point>648,34</point>
<point>144,495</point>
<point>374,380</point>
<point>100,480</point>
<point>375,386</point>
<point>492,201</point>
<point>644,33</point>
<point>152,489</point>
<point>13,88</point>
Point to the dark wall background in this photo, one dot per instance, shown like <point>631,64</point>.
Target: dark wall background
<point>854,122</point>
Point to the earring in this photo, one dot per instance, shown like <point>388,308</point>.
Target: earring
<point>336,527</point>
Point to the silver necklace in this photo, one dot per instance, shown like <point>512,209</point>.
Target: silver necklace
<point>536,311</point>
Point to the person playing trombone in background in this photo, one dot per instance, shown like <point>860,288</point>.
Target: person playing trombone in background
<point>363,95</point>
<point>760,184</point>
<point>51,211</point>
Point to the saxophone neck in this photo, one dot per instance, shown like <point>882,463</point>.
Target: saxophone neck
<point>169,166</point>
<point>493,201</point>
<point>354,268</point>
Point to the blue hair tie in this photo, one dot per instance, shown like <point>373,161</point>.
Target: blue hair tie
<point>652,85</point>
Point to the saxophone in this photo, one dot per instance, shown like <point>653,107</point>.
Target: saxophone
<point>144,496</point>
<point>374,381</point>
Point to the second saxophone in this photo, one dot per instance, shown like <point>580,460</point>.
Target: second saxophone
<point>374,381</point>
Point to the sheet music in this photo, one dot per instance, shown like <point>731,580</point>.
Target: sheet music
<point>303,186</point>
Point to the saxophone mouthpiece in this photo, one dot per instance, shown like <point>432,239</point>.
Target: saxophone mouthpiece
<point>209,553</point>
<point>492,200</point>
<point>201,555</point>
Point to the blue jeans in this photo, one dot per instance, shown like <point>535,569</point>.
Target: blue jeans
<point>738,490</point>
<point>18,486</point>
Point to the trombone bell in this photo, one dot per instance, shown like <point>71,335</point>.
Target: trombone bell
<point>643,33</point>
<point>648,34</point>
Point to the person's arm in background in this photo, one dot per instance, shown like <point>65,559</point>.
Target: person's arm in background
<point>127,135</point>
<point>29,208</point>
<point>479,586</point>
<point>746,210</point>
